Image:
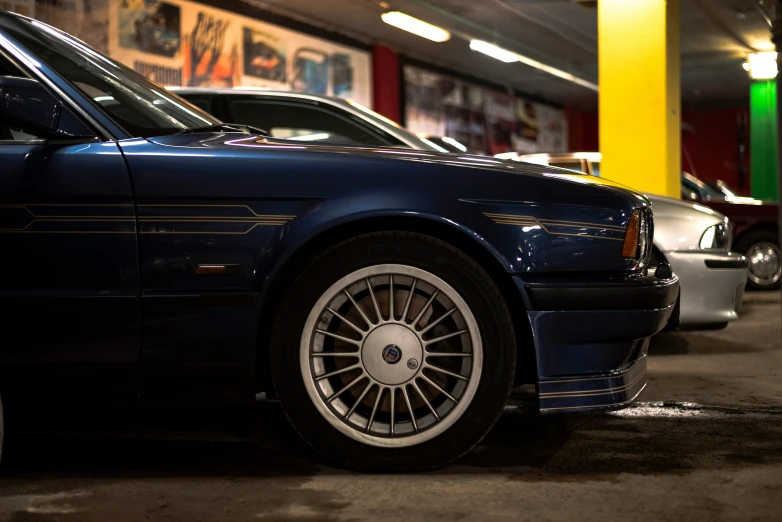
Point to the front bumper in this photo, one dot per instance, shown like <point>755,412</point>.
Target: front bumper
<point>712,285</point>
<point>591,337</point>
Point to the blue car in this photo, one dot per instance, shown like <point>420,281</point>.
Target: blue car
<point>390,299</point>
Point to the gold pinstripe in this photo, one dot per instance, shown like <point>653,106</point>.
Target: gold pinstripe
<point>609,405</point>
<point>253,219</point>
<point>554,381</point>
<point>508,219</point>
<point>588,393</point>
<point>584,225</point>
<point>205,232</point>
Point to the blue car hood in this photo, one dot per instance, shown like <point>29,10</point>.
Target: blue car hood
<point>249,144</point>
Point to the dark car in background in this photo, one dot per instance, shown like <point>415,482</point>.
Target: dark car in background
<point>755,229</point>
<point>387,299</point>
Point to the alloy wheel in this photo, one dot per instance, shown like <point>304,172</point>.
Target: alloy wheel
<point>391,355</point>
<point>765,263</point>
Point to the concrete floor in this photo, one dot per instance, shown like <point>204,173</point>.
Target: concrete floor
<point>705,444</point>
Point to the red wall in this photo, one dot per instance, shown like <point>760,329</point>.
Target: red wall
<point>710,145</point>
<point>386,82</point>
<point>582,127</point>
<point>710,142</point>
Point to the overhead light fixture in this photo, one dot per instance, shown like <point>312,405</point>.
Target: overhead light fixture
<point>763,66</point>
<point>414,25</point>
<point>557,72</point>
<point>509,57</point>
<point>495,52</point>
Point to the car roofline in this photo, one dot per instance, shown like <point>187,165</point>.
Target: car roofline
<point>255,92</point>
<point>331,100</point>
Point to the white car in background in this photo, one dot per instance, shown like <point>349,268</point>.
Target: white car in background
<point>693,238</point>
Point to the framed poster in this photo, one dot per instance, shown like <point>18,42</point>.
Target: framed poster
<point>483,119</point>
<point>183,43</point>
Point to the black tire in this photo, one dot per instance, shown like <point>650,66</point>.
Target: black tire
<point>745,246</point>
<point>675,320</point>
<point>451,265</point>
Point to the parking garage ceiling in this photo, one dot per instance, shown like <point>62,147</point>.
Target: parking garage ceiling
<point>716,37</point>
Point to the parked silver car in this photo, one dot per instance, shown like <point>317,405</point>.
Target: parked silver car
<point>693,238</point>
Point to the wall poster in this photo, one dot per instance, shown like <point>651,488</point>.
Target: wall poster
<point>182,43</point>
<point>23,7</point>
<point>484,120</point>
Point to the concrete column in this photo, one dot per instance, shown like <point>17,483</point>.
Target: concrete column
<point>640,101</point>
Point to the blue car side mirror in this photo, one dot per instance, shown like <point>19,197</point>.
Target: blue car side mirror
<point>24,103</point>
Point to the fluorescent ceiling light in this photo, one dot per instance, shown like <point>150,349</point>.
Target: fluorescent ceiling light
<point>416,26</point>
<point>556,72</point>
<point>492,50</point>
<point>509,56</point>
<point>763,66</point>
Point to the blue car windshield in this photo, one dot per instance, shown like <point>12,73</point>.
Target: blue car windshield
<point>140,107</point>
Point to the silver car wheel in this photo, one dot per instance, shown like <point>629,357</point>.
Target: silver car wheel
<point>391,355</point>
<point>765,266</point>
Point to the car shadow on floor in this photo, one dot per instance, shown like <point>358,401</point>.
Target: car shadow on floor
<point>646,440</point>
<point>696,342</point>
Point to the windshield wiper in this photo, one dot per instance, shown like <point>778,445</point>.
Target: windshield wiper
<point>225,127</point>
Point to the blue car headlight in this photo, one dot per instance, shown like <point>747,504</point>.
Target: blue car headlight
<point>637,246</point>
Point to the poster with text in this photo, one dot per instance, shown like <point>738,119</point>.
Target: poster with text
<point>278,58</point>
<point>552,129</point>
<point>87,20</point>
<point>146,35</point>
<point>210,49</point>
<point>23,7</point>
<point>485,120</point>
<point>178,42</point>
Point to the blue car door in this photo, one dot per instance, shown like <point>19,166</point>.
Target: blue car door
<point>69,278</point>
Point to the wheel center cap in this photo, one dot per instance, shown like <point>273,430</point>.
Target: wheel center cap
<point>392,354</point>
<point>386,346</point>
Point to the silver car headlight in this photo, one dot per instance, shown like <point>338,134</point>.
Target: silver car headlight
<point>716,237</point>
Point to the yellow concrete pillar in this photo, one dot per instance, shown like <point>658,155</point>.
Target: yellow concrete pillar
<point>640,101</point>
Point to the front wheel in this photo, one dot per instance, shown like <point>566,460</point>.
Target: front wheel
<point>765,262</point>
<point>393,352</point>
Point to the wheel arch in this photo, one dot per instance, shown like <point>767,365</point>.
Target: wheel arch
<point>758,227</point>
<point>657,253</point>
<point>291,264</point>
